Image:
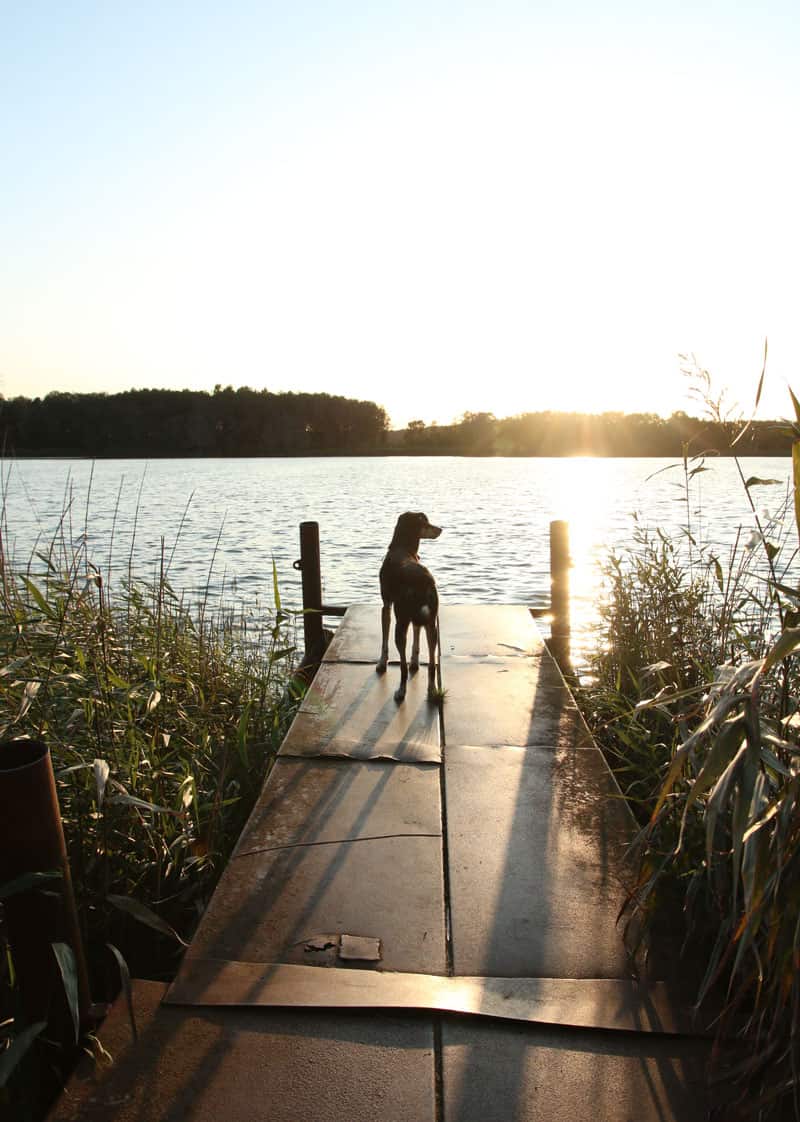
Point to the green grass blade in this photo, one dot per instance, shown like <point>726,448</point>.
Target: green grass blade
<point>796,482</point>
<point>276,592</point>
<point>68,969</point>
<point>125,981</point>
<point>28,882</point>
<point>17,1049</point>
<point>139,911</point>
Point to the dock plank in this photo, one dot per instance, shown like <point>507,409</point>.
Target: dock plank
<point>510,701</point>
<point>536,843</point>
<point>278,905</point>
<point>244,1065</point>
<point>350,712</point>
<point>501,1072</point>
<point>308,801</point>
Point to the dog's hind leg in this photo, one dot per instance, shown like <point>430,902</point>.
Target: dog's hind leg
<point>413,666</point>
<point>386,615</point>
<point>432,635</point>
<point>400,636</point>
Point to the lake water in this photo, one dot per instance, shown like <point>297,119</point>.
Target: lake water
<point>495,513</point>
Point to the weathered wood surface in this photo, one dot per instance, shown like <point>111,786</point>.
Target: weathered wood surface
<point>484,840</point>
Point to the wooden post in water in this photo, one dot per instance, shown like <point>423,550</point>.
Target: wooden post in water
<point>559,591</point>
<point>309,566</point>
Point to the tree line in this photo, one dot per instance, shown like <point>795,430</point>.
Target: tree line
<point>590,434</point>
<point>247,422</point>
<point>227,422</point>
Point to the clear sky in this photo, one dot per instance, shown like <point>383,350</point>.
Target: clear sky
<point>436,206</point>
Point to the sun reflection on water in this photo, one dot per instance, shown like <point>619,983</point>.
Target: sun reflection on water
<point>589,505</point>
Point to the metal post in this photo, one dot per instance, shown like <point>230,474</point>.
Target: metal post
<point>32,841</point>
<point>309,566</point>
<point>559,589</point>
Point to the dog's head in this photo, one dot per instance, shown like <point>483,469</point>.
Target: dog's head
<point>411,527</point>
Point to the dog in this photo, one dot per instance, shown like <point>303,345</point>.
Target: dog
<point>412,590</point>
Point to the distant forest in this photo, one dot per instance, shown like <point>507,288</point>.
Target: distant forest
<point>246,422</point>
<point>227,422</point>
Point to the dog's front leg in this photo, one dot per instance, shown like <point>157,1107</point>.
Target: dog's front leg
<point>413,666</point>
<point>386,615</point>
<point>400,635</point>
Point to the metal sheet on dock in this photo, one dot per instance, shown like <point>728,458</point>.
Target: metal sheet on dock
<point>467,630</point>
<point>308,801</point>
<point>614,1005</point>
<point>496,1073</point>
<point>536,843</point>
<point>350,711</point>
<point>510,701</point>
<point>243,1065</point>
<point>283,905</point>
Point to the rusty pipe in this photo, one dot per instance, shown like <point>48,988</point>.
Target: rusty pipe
<point>32,841</point>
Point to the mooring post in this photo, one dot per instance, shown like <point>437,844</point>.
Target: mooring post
<point>309,566</point>
<point>32,841</point>
<point>559,590</point>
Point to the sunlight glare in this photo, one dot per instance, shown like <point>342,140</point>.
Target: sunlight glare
<point>587,502</point>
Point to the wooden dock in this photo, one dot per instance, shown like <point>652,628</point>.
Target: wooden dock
<point>419,921</point>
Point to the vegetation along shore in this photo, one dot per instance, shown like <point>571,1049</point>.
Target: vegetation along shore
<point>696,702</point>
<point>162,719</point>
<point>246,422</point>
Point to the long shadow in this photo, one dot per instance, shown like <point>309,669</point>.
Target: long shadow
<point>563,830</point>
<point>321,730</point>
<point>462,1099</point>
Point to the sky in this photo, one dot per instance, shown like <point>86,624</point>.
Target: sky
<point>441,207</point>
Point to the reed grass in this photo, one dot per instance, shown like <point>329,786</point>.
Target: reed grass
<point>696,700</point>
<point>162,717</point>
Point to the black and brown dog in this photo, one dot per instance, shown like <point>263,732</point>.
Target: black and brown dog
<point>412,590</point>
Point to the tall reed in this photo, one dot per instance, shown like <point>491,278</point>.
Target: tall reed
<point>697,701</point>
<point>162,716</point>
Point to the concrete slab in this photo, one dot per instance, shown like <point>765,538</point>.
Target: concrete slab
<point>620,1005</point>
<point>516,1073</point>
<point>510,701</point>
<point>292,905</point>
<point>536,843</point>
<point>484,630</point>
<point>306,801</point>
<point>467,630</point>
<point>350,711</point>
<point>246,1065</point>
